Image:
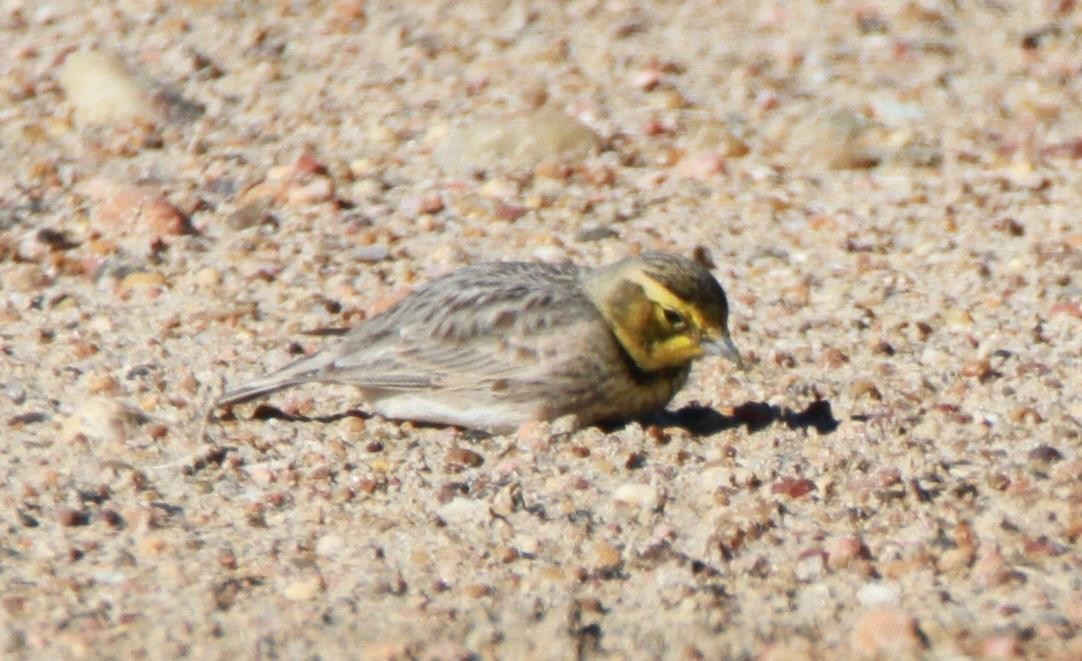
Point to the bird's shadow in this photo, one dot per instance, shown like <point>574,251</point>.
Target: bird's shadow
<point>269,412</point>
<point>754,416</point>
<point>696,419</point>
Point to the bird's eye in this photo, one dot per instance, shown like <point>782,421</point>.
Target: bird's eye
<point>675,319</point>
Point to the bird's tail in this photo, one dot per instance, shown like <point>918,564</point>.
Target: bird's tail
<point>302,371</point>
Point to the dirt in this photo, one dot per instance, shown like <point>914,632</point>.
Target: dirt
<point>196,191</point>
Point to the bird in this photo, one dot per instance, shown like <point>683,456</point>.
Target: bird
<point>495,345</point>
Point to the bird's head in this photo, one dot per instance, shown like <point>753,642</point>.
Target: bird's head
<point>665,310</point>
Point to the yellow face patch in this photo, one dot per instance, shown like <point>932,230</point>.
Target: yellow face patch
<point>669,332</point>
<point>658,328</point>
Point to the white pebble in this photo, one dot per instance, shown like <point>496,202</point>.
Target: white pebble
<point>877,594</point>
<point>328,546</point>
<point>103,90</point>
<point>464,512</point>
<point>643,496</point>
<point>99,419</point>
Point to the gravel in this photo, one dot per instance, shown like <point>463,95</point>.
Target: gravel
<point>198,191</point>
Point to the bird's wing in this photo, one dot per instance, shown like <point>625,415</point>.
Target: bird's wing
<point>461,335</point>
<point>440,365</point>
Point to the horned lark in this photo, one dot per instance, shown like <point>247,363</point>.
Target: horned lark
<point>495,345</point>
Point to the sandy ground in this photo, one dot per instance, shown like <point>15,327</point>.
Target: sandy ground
<point>890,193</point>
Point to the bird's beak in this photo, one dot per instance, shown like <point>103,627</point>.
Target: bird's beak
<point>722,345</point>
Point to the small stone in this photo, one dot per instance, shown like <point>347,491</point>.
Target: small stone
<point>227,559</point>
<point>877,594</point>
<point>56,240</point>
<point>980,369</point>
<point>552,254</point>
<point>105,91</point>
<point>793,648</point>
<point>887,477</point>
<point>839,140</point>
<point>701,165</point>
<point>152,545</point>
<point>793,487</point>
<point>887,631</point>
<point>122,210</point>
<point>810,566</point>
<point>647,79</point>
<point>449,491</point>
<point>646,497</point>
<point>418,205</point>
<point>834,358</point>
<point>658,435</point>
<point>477,590</point>
<point>842,551</point>
<point>69,517</point>
<point>15,391</point>
<point>956,558</point>
<point>261,474</point>
<point>28,418</point>
<point>102,384</point>
<point>730,145</point>
<point>345,15</point>
<point>767,99</point>
<point>430,203</point>
<point>1004,646</point>
<point>207,277</point>
<point>1010,226</point>
<point>464,512</point>
<point>595,234</point>
<point>990,568</point>
<point>329,546</point>
<point>366,485</point>
<point>1073,610</point>
<point>26,278</point>
<point>303,589</point>
<point>313,191</point>
<point>1070,308</point>
<point>527,544</point>
<point>534,434</point>
<point>459,459</point>
<point>1026,415</point>
<point>865,388</point>
<point>142,279</point>
<point>502,210</point>
<point>598,174</point>
<point>507,500</point>
<point>1042,546</point>
<point>249,215</point>
<point>500,188</point>
<point>551,168</point>
<point>606,556</point>
<point>1069,471</point>
<point>307,164</point>
<point>517,143</point>
<point>565,424</point>
<point>670,99</point>
<point>99,419</point>
<point>1045,454</point>
<point>958,318</point>
<point>998,481</point>
<point>386,650</point>
<point>370,254</point>
<point>635,460</point>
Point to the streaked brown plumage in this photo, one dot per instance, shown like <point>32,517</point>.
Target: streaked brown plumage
<point>495,345</point>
